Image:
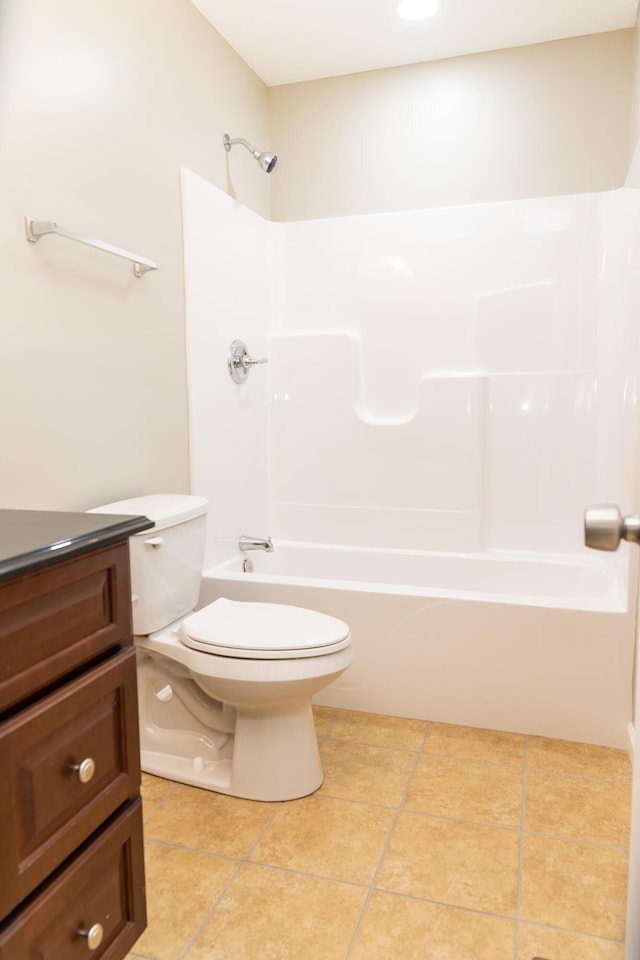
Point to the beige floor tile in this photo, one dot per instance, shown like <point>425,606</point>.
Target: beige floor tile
<point>154,790</point>
<point>203,820</point>
<point>407,929</point>
<point>467,790</point>
<point>558,945</point>
<point>460,864</point>
<point>471,743</point>
<point>323,717</point>
<point>174,917</point>
<point>583,759</point>
<point>574,886</point>
<point>380,730</point>
<point>333,838</point>
<point>579,808</point>
<point>358,771</point>
<point>447,886</point>
<point>270,913</point>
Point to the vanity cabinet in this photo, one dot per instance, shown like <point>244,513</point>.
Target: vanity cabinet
<point>71,853</point>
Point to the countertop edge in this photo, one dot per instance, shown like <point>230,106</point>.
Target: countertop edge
<point>108,529</point>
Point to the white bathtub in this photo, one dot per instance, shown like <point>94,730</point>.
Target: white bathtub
<point>511,641</point>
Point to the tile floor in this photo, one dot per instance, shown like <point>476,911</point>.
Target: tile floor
<point>425,842</point>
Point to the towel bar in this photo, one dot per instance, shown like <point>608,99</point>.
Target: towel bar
<point>34,229</point>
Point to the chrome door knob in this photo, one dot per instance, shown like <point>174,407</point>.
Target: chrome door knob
<point>605,527</point>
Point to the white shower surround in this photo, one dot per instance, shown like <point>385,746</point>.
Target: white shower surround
<point>455,381</point>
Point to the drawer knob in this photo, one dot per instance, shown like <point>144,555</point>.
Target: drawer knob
<point>94,935</point>
<point>85,770</point>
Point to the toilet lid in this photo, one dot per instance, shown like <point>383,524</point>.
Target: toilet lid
<point>263,631</point>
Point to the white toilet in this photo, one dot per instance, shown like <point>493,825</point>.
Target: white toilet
<point>224,693</point>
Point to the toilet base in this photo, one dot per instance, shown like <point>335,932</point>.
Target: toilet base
<point>274,758</point>
<point>194,771</point>
<point>188,737</point>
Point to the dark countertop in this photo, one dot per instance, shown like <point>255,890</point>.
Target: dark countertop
<point>31,539</point>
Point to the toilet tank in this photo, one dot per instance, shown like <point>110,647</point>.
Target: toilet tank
<point>166,561</point>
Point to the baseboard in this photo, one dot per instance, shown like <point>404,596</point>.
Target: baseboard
<point>631,742</point>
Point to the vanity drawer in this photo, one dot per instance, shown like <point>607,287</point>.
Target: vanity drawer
<point>47,808</point>
<point>59,618</point>
<point>103,885</point>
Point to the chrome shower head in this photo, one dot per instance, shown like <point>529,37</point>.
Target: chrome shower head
<point>266,160</point>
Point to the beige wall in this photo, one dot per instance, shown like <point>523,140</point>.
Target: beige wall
<point>531,121</point>
<point>635,100</point>
<point>100,105</point>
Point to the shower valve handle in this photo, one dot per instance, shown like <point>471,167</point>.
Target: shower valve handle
<point>250,362</point>
<point>605,527</point>
<point>239,362</point>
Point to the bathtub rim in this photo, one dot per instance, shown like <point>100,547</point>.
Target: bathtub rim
<point>616,600</point>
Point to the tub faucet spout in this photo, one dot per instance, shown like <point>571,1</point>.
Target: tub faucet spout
<point>256,543</point>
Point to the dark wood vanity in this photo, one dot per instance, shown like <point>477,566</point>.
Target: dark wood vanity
<point>71,855</point>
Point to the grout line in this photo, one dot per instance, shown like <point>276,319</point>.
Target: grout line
<point>577,933</point>
<point>399,811</point>
<point>327,733</point>
<point>450,906</point>
<point>570,775</point>
<point>516,949</point>
<point>276,809</point>
<point>210,912</point>
<point>427,734</point>
<point>469,823</point>
<point>376,746</point>
<point>365,803</point>
<point>488,763</point>
<point>160,803</point>
<point>308,873</point>
<point>517,829</point>
<point>241,863</point>
<point>200,852</point>
<point>585,843</point>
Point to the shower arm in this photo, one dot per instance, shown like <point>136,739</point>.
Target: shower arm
<point>228,143</point>
<point>266,159</point>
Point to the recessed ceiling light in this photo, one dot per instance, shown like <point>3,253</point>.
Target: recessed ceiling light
<point>417,9</point>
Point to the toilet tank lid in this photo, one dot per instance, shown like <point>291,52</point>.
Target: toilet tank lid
<point>165,509</point>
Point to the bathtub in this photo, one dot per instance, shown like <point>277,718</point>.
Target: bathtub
<point>530,643</point>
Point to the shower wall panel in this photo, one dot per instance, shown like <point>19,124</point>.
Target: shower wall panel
<point>355,478</point>
<point>231,269</point>
<point>452,379</point>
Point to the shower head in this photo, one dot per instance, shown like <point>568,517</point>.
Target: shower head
<point>266,160</point>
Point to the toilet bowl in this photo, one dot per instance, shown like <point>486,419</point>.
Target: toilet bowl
<point>224,692</point>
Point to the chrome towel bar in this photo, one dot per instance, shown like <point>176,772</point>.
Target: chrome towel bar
<point>34,229</point>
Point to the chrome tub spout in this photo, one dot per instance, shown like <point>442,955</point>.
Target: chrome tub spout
<point>256,543</point>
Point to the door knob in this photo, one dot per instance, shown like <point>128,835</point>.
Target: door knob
<point>605,527</point>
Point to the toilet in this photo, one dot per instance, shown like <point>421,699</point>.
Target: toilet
<point>224,692</point>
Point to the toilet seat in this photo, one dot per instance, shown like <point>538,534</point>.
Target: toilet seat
<point>262,631</point>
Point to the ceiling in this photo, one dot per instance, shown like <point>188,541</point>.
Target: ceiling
<point>286,41</point>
